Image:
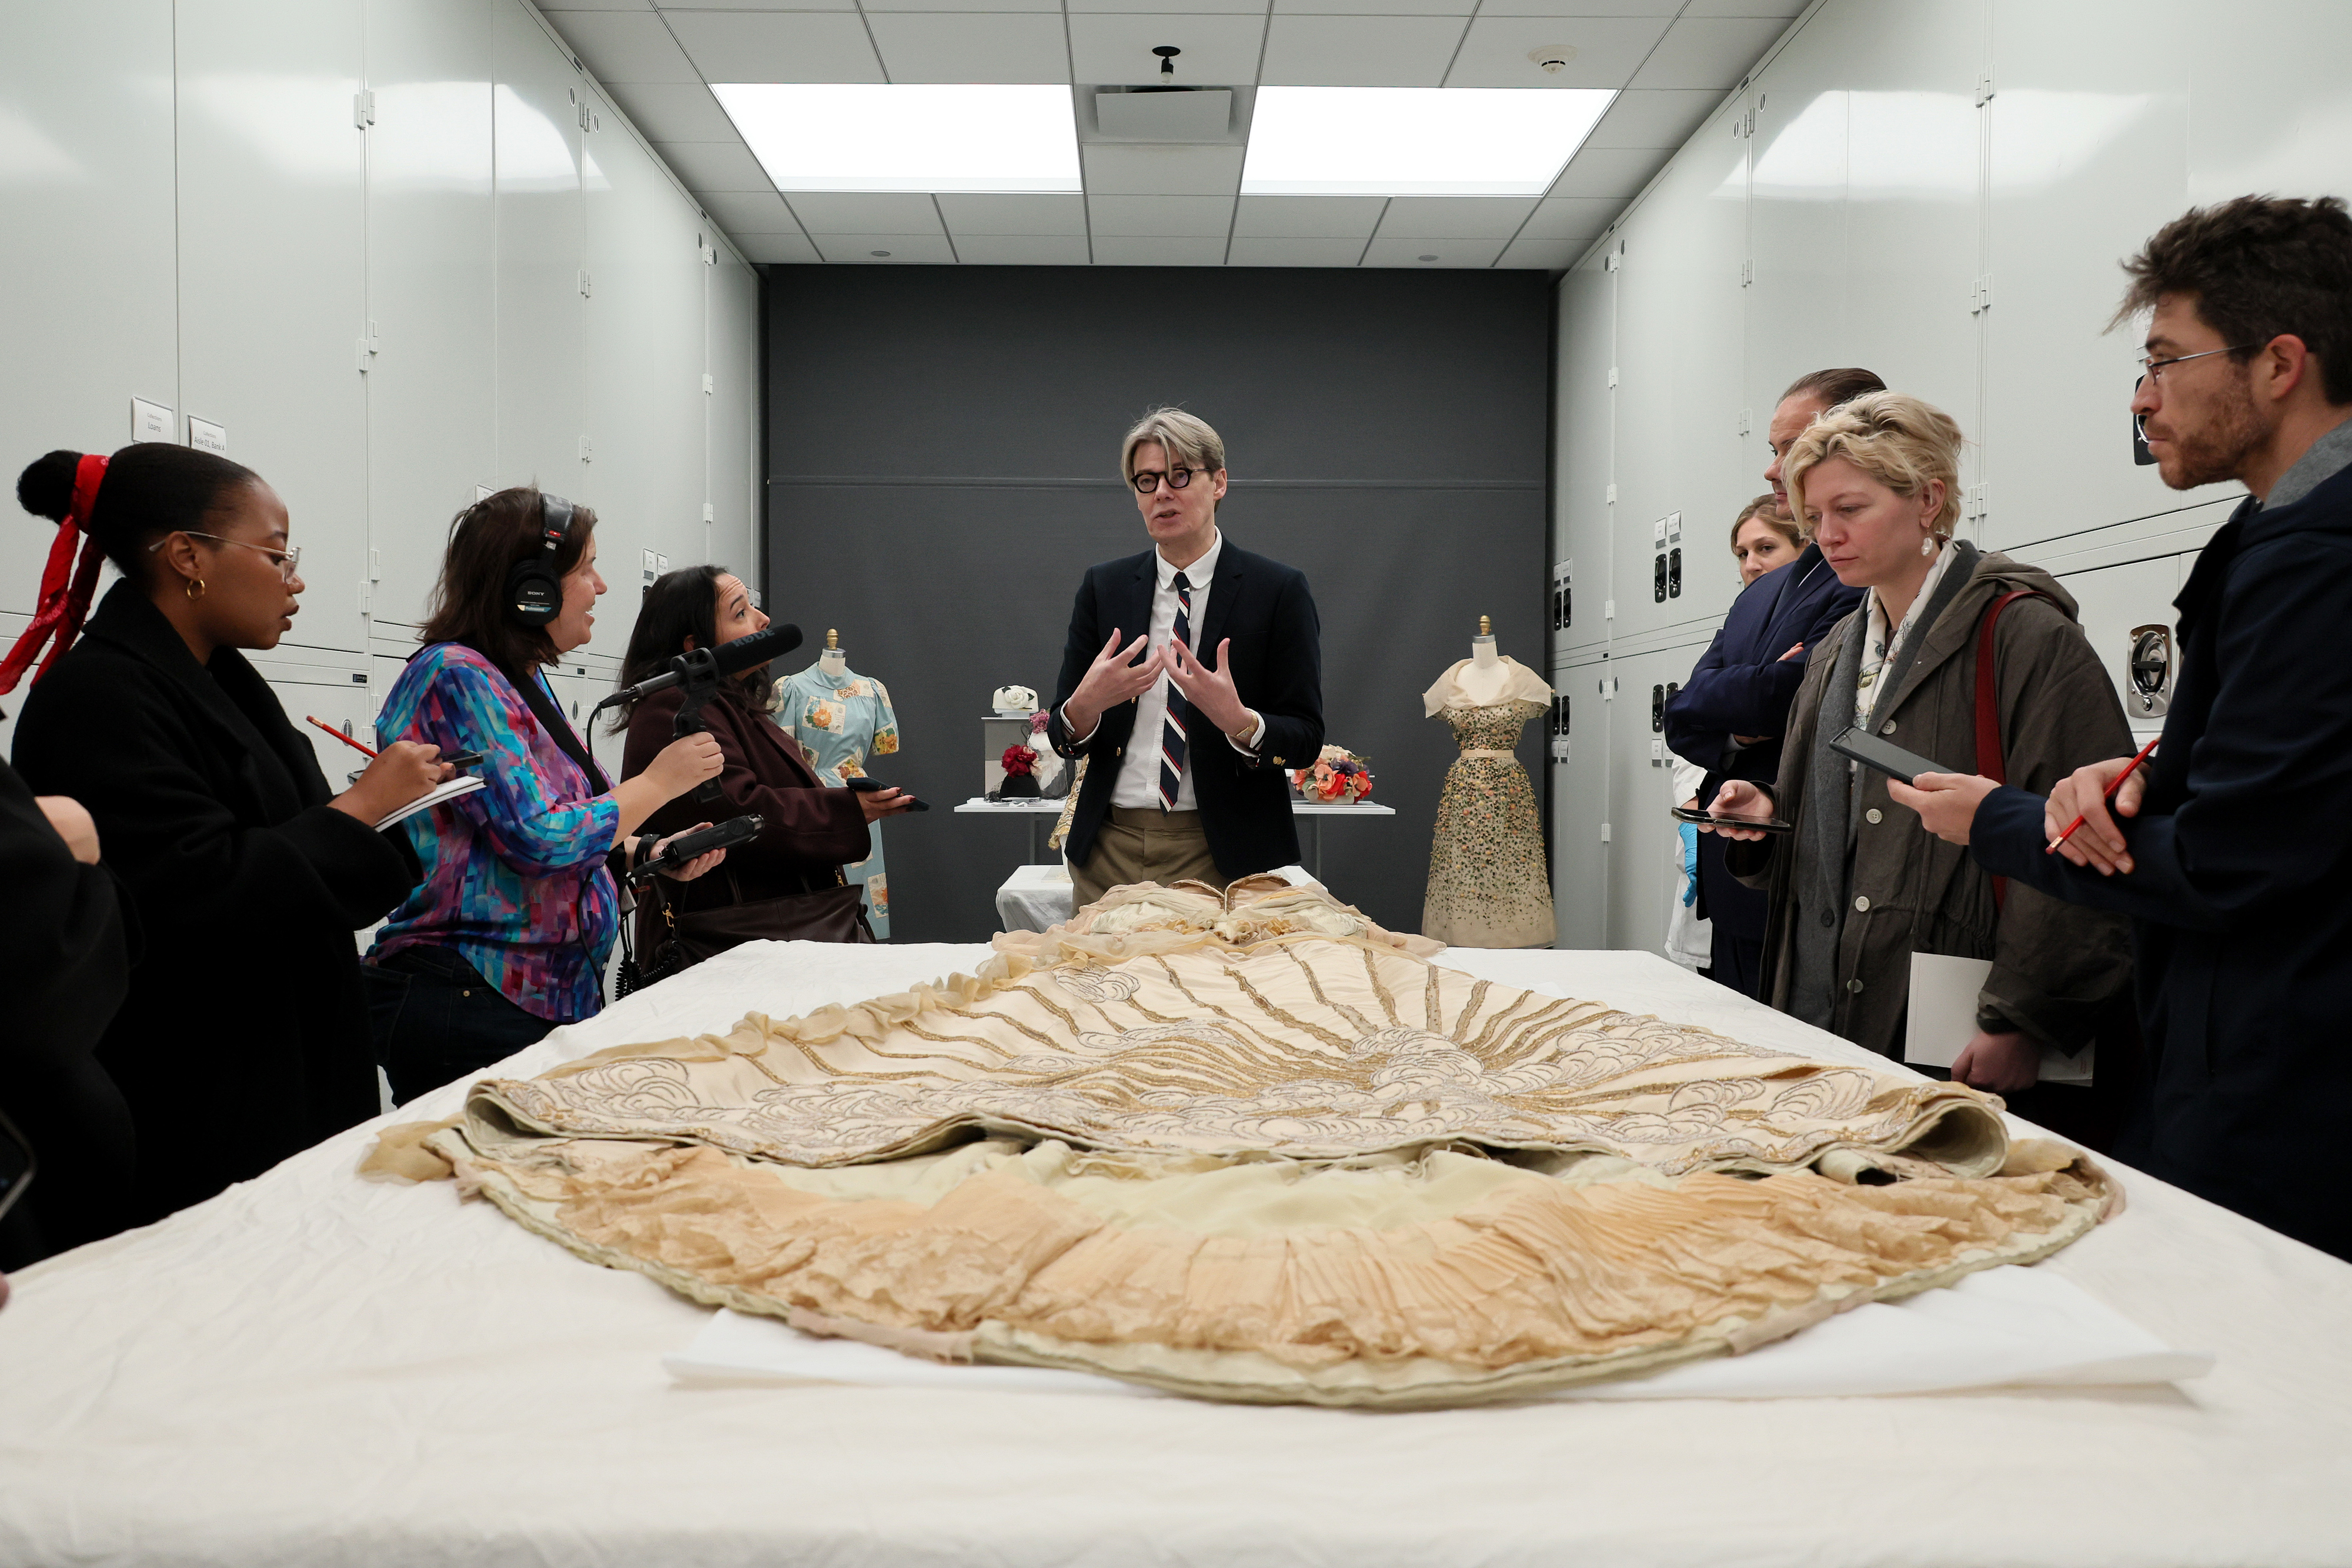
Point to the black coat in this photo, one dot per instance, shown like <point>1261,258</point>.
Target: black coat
<point>1742,686</point>
<point>2240,890</point>
<point>1276,662</point>
<point>62,926</point>
<point>243,1038</point>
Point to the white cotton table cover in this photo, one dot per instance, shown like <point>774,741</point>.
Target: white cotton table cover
<point>313,1369</point>
<point>1039,897</point>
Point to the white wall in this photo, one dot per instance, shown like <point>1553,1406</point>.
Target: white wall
<point>496,282</point>
<point>1849,223</point>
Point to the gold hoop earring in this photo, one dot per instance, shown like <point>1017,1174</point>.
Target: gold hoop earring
<point>193,588</point>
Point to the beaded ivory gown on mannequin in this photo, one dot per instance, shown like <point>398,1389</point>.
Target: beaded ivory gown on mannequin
<point>1489,885</point>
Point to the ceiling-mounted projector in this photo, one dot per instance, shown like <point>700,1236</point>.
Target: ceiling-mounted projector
<point>1183,114</point>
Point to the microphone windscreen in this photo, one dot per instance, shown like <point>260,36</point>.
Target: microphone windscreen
<point>734,658</point>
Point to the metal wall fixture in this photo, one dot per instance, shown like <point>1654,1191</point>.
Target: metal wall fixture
<point>2150,665</point>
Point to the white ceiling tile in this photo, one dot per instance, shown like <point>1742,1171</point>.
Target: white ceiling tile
<point>1609,172</point>
<point>1308,217</point>
<point>1170,9</point>
<point>824,213</point>
<point>1020,250</point>
<point>1457,217</point>
<point>625,45</point>
<point>1450,253</point>
<point>1128,169</point>
<point>930,249</point>
<point>714,165</point>
<point>965,47</point>
<point>1545,254</point>
<point>775,248</point>
<point>1609,49</point>
<point>1254,250</point>
<point>1654,117</point>
<point>1219,50</point>
<point>675,112</point>
<point>1051,7</point>
<point>1715,52</point>
<point>1374,8</point>
<point>1131,217</point>
<point>1786,10</point>
<point>778,45</point>
<point>748,212</point>
<point>1031,216</point>
<point>1132,252</point>
<point>1572,217</point>
<point>759,5</point>
<point>1359,51</point>
<point>1576,10</point>
<point>598,5</point>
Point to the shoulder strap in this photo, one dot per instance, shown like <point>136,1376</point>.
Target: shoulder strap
<point>1989,761</point>
<point>550,717</point>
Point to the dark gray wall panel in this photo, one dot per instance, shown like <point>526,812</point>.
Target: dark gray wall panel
<point>941,468</point>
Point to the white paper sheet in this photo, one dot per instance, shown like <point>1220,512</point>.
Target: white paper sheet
<point>2005,1327</point>
<point>1942,1016</point>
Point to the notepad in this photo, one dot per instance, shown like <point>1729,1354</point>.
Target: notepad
<point>1942,1016</point>
<point>464,784</point>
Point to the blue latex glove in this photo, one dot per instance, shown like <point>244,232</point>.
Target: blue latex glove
<point>1690,864</point>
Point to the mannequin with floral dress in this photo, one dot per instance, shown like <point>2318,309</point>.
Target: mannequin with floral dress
<point>841,718</point>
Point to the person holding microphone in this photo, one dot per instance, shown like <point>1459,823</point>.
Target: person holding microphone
<point>506,936</point>
<point>242,1037</point>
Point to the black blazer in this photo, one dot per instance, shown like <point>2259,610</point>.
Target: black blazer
<point>244,1038</point>
<point>1278,668</point>
<point>2241,922</point>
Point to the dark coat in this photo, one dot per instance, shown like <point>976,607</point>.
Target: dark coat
<point>810,831</point>
<point>1276,662</point>
<point>2055,966</point>
<point>62,926</point>
<point>1742,686</point>
<point>243,1038</point>
<point>2241,889</point>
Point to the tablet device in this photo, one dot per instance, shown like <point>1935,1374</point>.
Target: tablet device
<point>1882,755</point>
<point>1771,825</point>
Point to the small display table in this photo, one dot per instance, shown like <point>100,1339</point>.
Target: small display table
<point>1036,811</point>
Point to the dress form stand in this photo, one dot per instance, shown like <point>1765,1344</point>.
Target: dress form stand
<point>1488,883</point>
<point>841,718</point>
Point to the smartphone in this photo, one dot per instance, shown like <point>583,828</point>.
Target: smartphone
<point>870,785</point>
<point>1700,816</point>
<point>1882,755</point>
<point>16,1164</point>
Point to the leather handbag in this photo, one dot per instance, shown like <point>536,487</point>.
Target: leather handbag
<point>675,940</point>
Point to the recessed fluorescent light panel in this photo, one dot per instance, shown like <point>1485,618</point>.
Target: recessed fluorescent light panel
<point>1415,140</point>
<point>830,136</point>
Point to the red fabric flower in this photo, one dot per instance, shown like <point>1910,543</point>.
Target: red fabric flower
<point>1018,760</point>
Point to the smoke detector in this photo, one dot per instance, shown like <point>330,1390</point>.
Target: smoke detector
<point>1551,56</point>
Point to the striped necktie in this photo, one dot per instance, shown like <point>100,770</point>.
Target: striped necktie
<point>1171,729</point>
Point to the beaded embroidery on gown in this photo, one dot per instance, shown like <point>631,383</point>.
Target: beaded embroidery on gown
<point>1251,1146</point>
<point>1488,885</point>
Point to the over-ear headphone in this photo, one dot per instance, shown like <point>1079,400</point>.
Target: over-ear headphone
<point>533,589</point>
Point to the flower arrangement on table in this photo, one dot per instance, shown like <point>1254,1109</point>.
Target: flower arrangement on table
<point>1020,765</point>
<point>1338,774</point>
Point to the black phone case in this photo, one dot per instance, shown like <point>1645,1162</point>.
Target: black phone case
<point>1884,756</point>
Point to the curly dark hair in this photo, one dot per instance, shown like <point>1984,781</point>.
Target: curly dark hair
<point>2258,267</point>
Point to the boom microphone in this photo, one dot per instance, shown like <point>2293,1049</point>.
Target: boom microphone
<point>726,658</point>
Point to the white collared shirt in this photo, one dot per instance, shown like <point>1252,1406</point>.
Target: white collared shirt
<point>1138,784</point>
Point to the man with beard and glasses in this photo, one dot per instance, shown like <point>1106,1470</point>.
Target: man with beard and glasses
<point>2230,849</point>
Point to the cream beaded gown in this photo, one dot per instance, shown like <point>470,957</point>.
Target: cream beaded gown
<point>1488,885</point>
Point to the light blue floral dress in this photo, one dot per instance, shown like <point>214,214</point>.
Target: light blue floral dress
<point>840,721</point>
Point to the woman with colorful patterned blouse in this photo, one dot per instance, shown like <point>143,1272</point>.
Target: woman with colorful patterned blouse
<point>508,933</point>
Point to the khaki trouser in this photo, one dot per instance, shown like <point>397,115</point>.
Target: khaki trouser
<point>1143,843</point>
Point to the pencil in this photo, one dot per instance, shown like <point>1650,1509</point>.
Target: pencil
<point>339,735</point>
<point>2109,795</point>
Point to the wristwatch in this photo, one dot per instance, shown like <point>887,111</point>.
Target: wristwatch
<point>1247,727</point>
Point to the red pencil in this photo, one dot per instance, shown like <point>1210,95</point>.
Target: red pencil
<point>2109,795</point>
<point>339,735</point>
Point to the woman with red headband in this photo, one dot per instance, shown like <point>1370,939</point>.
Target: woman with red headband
<point>243,1039</point>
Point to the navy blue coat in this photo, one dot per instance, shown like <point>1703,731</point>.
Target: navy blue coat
<point>1276,662</point>
<point>2240,890</point>
<point>1743,686</point>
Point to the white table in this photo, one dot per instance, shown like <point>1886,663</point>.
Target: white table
<point>313,1369</point>
<point>1316,811</point>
